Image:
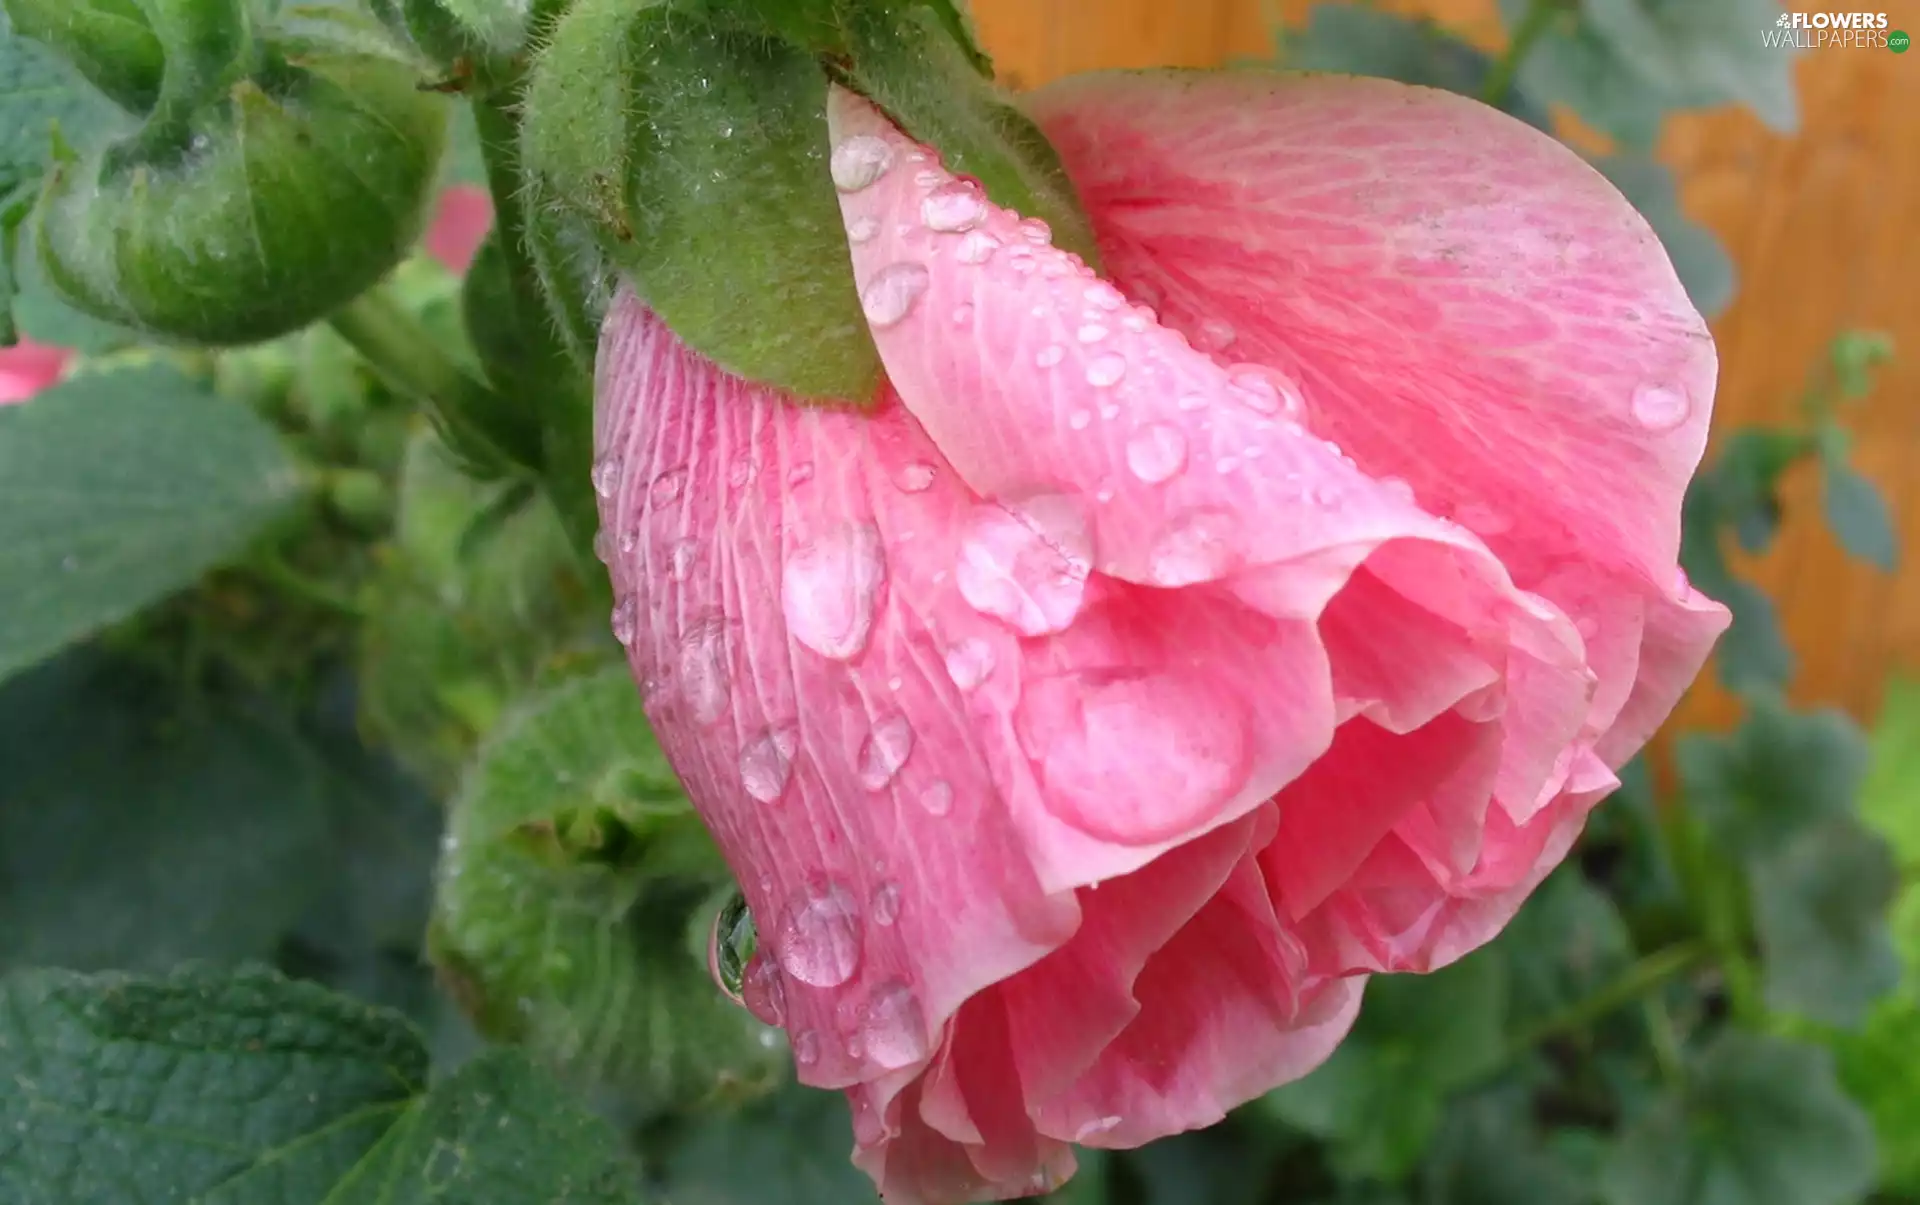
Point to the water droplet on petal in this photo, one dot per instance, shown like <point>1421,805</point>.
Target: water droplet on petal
<point>819,940</point>
<point>859,161</point>
<point>1102,295</point>
<point>1080,420</point>
<point>1216,335</point>
<point>603,546</point>
<point>1092,332</point>
<point>977,248</point>
<point>806,1048</point>
<point>1095,1128</point>
<point>606,476</point>
<point>829,589</point>
<point>1199,547</point>
<point>668,487</point>
<point>970,662</point>
<point>862,230</point>
<point>954,207</point>
<point>1264,391</point>
<point>893,1029</point>
<point>938,798</point>
<point>1135,323</point>
<point>1136,756</point>
<point>889,297</point>
<point>764,991</point>
<point>1398,489</point>
<point>629,541</point>
<point>1106,370</point>
<point>915,478</point>
<point>1036,232</point>
<point>962,314</point>
<point>1050,355</point>
<point>1659,408</point>
<point>1028,568</point>
<point>884,751</point>
<point>703,673</point>
<point>625,619</point>
<point>1156,452</point>
<point>766,764</point>
<point>928,178</point>
<point>681,559</point>
<point>886,903</point>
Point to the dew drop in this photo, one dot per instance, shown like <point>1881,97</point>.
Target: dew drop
<point>1106,370</point>
<point>970,662</point>
<point>1080,420</point>
<point>953,207</point>
<point>1092,332</point>
<point>682,558</point>
<point>625,619</point>
<point>1398,489</point>
<point>764,991</point>
<point>1135,323</point>
<point>603,546</point>
<point>886,903</point>
<point>977,248</point>
<point>605,476</point>
<point>668,487</point>
<point>702,665</point>
<point>1102,295</point>
<point>859,161</point>
<point>1216,335</point>
<point>1050,355</point>
<point>806,1048</point>
<point>1659,408</point>
<point>937,800</point>
<point>1036,232</point>
<point>1028,569</point>
<point>1095,1128</point>
<point>1137,755</point>
<point>915,478</point>
<point>1263,391</point>
<point>766,764</point>
<point>890,296</point>
<point>893,1029</point>
<point>829,589</point>
<point>1197,548</point>
<point>884,751</point>
<point>862,230</point>
<point>1156,452</point>
<point>962,314</point>
<point>819,940</point>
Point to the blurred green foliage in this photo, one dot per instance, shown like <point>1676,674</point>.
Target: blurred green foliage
<point>350,710</point>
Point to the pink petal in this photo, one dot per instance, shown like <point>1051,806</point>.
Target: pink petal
<point>1470,308</point>
<point>459,226</point>
<point>26,368</point>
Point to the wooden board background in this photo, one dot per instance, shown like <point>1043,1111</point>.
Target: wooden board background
<point>1824,227</point>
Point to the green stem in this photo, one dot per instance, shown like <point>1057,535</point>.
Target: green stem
<point>1533,23</point>
<point>1638,980</point>
<point>276,572</point>
<point>408,359</point>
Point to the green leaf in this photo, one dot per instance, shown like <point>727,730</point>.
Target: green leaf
<point>1744,480</point>
<point>136,832</point>
<point>1819,910</point>
<point>1698,258</point>
<point>573,892</point>
<point>1857,515</point>
<point>790,1149</point>
<point>248,1089</point>
<point>1489,1152</point>
<point>910,64</point>
<point>1890,800</point>
<point>1356,40</point>
<point>1566,943</point>
<point>1878,1069</point>
<point>1382,1095</point>
<point>1570,64</point>
<point>118,489</point>
<point>1703,52</point>
<point>1780,774</point>
<point>1760,1121</point>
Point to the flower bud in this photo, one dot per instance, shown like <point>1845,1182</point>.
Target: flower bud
<point>276,177</point>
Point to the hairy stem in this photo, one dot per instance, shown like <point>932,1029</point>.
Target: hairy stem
<point>1639,980</point>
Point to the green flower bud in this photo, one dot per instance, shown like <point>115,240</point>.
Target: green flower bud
<point>360,499</point>
<point>261,194</point>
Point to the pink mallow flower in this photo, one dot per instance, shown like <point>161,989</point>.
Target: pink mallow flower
<point>460,225</point>
<point>1172,650</point>
<point>27,368</point>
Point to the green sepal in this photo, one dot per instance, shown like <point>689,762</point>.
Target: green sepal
<point>911,65</point>
<point>109,42</point>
